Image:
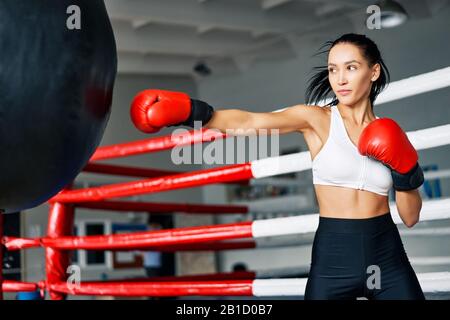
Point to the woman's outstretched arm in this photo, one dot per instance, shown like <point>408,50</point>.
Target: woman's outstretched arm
<point>154,109</point>
<point>291,119</point>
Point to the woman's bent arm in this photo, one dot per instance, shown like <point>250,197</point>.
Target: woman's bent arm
<point>409,204</point>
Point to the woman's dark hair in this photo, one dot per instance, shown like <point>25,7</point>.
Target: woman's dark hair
<point>319,87</point>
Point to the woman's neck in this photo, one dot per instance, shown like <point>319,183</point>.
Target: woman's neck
<point>358,113</point>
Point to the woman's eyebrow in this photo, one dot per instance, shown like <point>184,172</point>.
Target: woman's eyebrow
<point>348,62</point>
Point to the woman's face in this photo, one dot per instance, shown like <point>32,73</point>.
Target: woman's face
<point>349,73</point>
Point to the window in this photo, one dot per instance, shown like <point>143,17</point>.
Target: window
<point>93,259</point>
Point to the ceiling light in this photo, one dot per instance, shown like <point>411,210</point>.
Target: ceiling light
<point>392,13</point>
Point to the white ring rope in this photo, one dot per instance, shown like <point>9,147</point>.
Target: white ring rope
<point>431,210</point>
<point>295,162</point>
<point>411,86</point>
<point>306,238</point>
<point>431,283</point>
<point>415,85</point>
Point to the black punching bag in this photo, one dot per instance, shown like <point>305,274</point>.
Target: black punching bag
<point>58,64</point>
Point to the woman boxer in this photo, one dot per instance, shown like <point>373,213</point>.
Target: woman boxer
<point>356,158</point>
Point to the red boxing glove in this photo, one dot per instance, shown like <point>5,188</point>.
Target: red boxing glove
<point>152,110</point>
<point>385,141</point>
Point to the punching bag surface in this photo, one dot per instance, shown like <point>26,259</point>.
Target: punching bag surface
<point>58,64</point>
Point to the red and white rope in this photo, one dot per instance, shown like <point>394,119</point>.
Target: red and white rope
<point>268,167</point>
<point>431,283</point>
<point>431,210</point>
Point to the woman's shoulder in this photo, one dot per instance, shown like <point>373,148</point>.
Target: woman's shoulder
<point>320,111</point>
<point>315,108</point>
<point>318,107</point>
<point>317,116</point>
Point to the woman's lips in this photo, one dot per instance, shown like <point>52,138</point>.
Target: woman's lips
<point>344,92</point>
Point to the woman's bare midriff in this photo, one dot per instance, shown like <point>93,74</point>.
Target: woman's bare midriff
<point>341,202</point>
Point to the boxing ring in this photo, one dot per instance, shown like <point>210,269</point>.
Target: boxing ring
<point>59,240</point>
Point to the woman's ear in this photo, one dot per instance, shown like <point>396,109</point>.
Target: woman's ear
<point>375,72</point>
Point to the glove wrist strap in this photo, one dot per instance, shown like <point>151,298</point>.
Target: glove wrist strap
<point>200,111</point>
<point>408,181</point>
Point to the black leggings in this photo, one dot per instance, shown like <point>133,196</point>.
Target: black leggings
<point>360,258</point>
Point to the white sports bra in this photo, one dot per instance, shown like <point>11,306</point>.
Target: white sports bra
<point>339,163</point>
